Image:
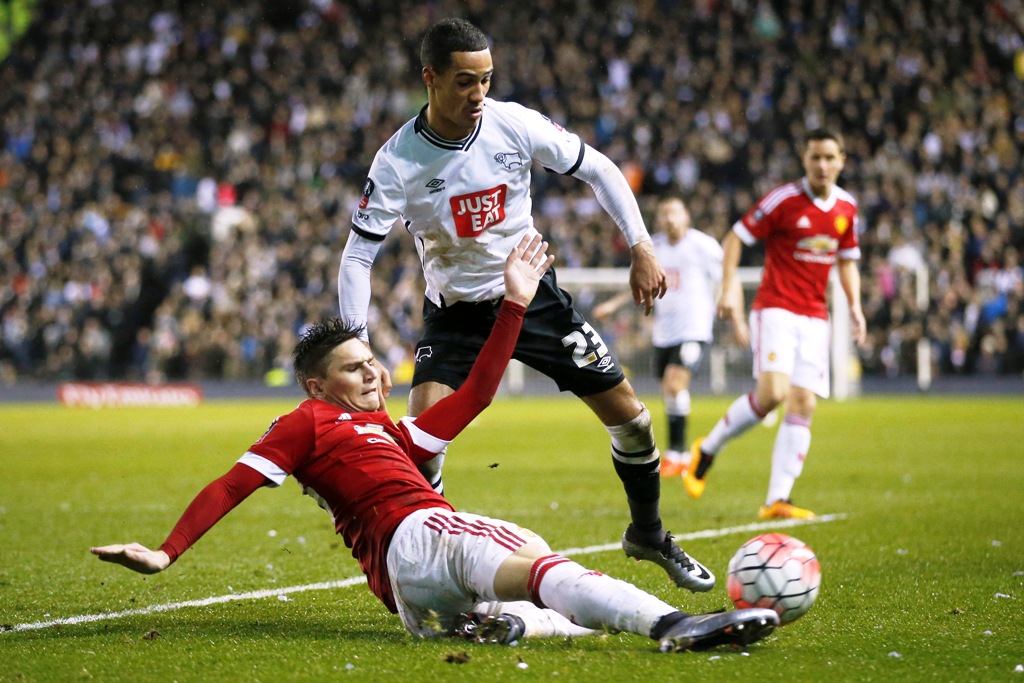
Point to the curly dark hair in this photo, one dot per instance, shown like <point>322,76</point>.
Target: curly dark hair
<point>448,36</point>
<point>311,353</point>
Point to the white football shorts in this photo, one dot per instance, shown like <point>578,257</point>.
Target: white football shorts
<point>793,345</point>
<point>443,563</point>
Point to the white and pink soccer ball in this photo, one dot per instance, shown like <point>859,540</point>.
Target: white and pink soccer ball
<point>775,571</point>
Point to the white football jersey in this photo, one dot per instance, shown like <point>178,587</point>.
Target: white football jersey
<point>467,203</point>
<point>693,269</point>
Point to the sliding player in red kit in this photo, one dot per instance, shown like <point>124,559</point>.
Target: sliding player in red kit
<point>444,572</point>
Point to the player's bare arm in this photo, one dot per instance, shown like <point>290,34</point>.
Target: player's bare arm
<point>730,301</point>
<point>849,278</point>
<point>646,276</point>
<point>606,308</point>
<point>135,556</point>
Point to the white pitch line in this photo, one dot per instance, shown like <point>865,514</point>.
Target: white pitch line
<point>356,580</point>
<point>716,533</point>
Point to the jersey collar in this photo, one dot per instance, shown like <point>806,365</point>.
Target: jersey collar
<point>826,204</point>
<point>424,131</point>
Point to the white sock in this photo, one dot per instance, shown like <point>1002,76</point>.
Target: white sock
<point>743,414</point>
<point>678,403</point>
<point>539,622</point>
<point>592,599</point>
<point>791,445</point>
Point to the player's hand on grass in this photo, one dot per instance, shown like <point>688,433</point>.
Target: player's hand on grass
<point>646,276</point>
<point>524,268</point>
<point>135,556</point>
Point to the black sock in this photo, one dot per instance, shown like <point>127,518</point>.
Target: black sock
<point>642,483</point>
<point>677,433</point>
<point>704,465</point>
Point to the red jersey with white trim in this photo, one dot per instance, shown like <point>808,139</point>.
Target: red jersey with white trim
<point>803,237</point>
<point>466,202</point>
<point>360,467</point>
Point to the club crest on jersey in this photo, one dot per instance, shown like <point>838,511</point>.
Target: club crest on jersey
<point>368,188</point>
<point>477,211</point>
<point>510,160</point>
<point>842,223</point>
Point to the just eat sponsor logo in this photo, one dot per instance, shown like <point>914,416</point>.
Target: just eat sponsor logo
<point>477,211</point>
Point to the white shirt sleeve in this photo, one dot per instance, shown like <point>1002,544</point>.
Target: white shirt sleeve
<point>268,469</point>
<point>613,193</point>
<point>354,279</point>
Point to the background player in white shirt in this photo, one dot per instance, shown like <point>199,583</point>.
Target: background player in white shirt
<point>807,226</point>
<point>683,318</point>
<point>458,177</point>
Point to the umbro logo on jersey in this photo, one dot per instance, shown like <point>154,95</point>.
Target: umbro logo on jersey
<point>804,222</point>
<point>510,160</point>
<point>435,185</point>
<point>605,364</point>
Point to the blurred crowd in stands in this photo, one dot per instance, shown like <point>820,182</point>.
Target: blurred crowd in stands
<point>176,178</point>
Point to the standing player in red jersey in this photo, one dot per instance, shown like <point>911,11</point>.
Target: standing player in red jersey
<point>444,572</point>
<point>806,226</point>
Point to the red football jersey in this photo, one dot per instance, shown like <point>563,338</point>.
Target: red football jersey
<point>360,468</point>
<point>803,237</point>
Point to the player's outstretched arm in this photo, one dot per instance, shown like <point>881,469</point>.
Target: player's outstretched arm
<point>524,268</point>
<point>135,556</point>
<point>218,498</point>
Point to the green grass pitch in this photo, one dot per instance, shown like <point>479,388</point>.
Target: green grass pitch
<point>923,579</point>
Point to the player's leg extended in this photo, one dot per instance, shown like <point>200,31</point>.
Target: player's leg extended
<point>773,342</point>
<point>676,394</point>
<point>745,412</point>
<point>597,601</point>
<point>810,379</point>
<point>792,442</point>
<point>635,457</point>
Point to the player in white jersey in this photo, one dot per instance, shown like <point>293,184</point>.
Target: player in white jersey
<point>683,318</point>
<point>458,177</point>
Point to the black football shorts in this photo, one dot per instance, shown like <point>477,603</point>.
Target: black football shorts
<point>555,340</point>
<point>689,354</point>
